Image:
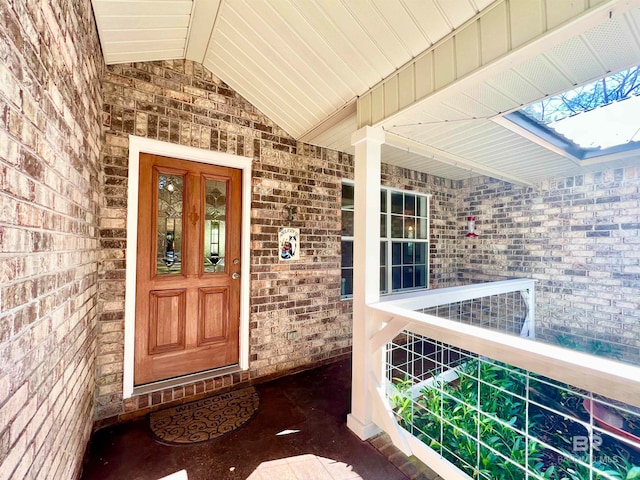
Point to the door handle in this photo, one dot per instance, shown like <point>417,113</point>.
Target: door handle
<point>235,275</point>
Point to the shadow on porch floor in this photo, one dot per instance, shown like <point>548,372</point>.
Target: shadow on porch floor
<point>312,405</point>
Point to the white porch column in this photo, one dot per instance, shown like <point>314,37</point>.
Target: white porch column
<point>366,272</point>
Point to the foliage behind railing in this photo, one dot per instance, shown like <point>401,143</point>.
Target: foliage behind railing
<point>494,405</point>
<point>493,420</point>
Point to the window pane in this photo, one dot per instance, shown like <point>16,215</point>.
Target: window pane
<point>347,253</point>
<point>383,201</point>
<point>169,234</point>
<point>396,278</point>
<point>383,267</point>
<point>396,253</point>
<point>422,228</point>
<point>407,277</point>
<point>347,223</point>
<point>347,282</point>
<point>397,203</point>
<point>423,206</point>
<point>383,280</point>
<point>409,204</point>
<point>421,253</point>
<point>347,196</point>
<point>421,276</point>
<point>407,253</point>
<point>214,225</point>
<point>383,253</point>
<point>409,227</point>
<point>383,226</point>
<point>396,227</point>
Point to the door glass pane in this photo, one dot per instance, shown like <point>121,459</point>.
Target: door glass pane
<point>215,207</point>
<point>169,234</point>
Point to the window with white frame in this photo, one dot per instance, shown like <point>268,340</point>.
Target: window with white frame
<point>404,240</point>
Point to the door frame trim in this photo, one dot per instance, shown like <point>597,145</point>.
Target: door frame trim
<point>138,145</point>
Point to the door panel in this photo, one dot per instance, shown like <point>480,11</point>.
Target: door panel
<point>187,299</point>
<point>214,315</point>
<point>166,321</point>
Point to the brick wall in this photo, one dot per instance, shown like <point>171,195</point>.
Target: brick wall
<point>579,237</point>
<point>181,102</point>
<point>50,102</point>
<point>297,318</point>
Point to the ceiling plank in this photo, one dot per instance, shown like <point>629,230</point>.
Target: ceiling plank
<point>119,8</point>
<point>412,146</point>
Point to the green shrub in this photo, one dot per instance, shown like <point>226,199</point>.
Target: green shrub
<point>487,399</point>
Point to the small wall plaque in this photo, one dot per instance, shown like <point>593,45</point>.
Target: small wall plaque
<point>289,244</point>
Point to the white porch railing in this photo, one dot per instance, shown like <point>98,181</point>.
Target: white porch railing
<point>454,382</point>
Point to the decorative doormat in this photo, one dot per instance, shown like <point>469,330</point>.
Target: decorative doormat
<point>205,419</point>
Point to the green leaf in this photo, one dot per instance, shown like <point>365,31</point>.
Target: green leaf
<point>633,474</point>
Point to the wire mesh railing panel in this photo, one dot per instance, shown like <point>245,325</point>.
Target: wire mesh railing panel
<point>496,421</point>
<point>505,312</point>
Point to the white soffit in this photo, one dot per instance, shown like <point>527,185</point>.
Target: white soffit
<point>458,120</point>
<point>300,62</point>
<point>136,31</point>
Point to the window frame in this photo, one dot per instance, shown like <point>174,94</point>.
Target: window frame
<point>388,241</point>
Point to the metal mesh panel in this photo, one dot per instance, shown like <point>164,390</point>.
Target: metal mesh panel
<point>496,421</point>
<point>505,312</point>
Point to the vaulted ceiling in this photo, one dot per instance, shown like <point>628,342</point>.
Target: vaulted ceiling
<point>437,75</point>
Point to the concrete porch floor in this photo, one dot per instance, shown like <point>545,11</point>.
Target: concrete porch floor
<point>311,405</point>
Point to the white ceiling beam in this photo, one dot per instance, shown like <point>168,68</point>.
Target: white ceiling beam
<point>417,148</point>
<point>523,132</point>
<point>204,15</point>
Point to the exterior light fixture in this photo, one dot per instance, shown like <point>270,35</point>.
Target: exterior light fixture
<point>471,227</point>
<point>291,210</point>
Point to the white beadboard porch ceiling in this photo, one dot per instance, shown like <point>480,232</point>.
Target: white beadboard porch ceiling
<point>305,64</point>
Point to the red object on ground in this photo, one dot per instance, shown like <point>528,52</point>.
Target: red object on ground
<point>610,421</point>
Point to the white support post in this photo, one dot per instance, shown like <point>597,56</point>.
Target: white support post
<point>366,274</point>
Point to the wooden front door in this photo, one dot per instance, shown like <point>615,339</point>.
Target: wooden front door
<point>188,268</point>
